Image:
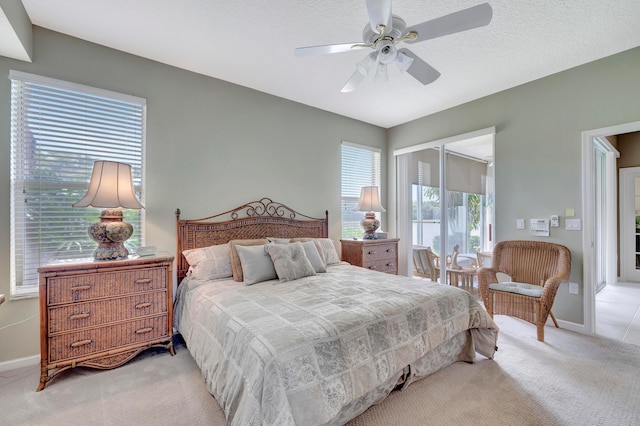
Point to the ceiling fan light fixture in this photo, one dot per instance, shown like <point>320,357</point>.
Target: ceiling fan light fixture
<point>403,61</point>
<point>364,66</point>
<point>381,73</point>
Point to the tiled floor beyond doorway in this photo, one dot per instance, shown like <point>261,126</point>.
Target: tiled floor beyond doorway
<point>618,312</point>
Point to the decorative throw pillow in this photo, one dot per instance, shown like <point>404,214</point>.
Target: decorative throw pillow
<point>330,252</point>
<point>317,243</point>
<point>209,263</point>
<point>236,266</point>
<point>326,249</point>
<point>311,251</point>
<point>290,261</point>
<point>256,264</point>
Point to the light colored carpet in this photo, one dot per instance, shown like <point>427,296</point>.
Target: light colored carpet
<point>570,379</point>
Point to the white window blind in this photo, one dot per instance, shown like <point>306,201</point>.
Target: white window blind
<point>360,167</point>
<point>58,130</point>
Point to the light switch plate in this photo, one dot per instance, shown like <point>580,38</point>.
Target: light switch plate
<point>572,224</point>
<point>519,223</point>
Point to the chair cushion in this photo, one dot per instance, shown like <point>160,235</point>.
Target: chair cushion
<point>519,288</point>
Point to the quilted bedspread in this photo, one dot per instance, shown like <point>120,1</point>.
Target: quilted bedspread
<point>321,349</point>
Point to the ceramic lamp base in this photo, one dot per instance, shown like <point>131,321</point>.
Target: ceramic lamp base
<point>110,234</point>
<point>370,224</point>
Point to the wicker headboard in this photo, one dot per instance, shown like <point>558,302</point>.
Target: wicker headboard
<point>256,219</point>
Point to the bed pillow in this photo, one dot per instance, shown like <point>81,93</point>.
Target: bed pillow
<point>326,248</point>
<point>209,263</point>
<point>311,251</point>
<point>236,266</point>
<point>257,265</point>
<point>278,240</point>
<point>290,261</point>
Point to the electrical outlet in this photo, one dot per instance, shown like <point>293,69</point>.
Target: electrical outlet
<point>573,288</point>
<point>519,223</point>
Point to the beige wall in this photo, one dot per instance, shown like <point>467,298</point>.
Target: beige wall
<point>211,146</point>
<point>538,147</point>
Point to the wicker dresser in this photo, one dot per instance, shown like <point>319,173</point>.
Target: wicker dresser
<point>102,314</point>
<point>378,255</point>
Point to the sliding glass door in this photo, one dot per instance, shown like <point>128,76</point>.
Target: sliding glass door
<point>451,196</point>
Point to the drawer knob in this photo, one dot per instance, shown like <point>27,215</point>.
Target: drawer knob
<point>390,250</point>
<point>372,252</point>
<point>143,305</point>
<point>143,281</point>
<point>81,315</point>
<point>80,343</point>
<point>144,330</point>
<point>372,267</point>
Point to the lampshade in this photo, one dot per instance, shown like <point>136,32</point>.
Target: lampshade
<point>110,187</point>
<point>369,203</point>
<point>369,200</point>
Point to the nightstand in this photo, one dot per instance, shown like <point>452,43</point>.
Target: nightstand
<point>377,255</point>
<point>101,314</point>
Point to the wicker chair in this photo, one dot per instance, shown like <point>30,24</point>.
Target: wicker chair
<point>536,269</point>
<point>424,264</point>
<point>484,259</point>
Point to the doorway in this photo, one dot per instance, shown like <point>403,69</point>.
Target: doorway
<point>630,224</point>
<point>600,248</point>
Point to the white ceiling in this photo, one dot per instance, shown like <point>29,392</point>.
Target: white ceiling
<point>251,43</point>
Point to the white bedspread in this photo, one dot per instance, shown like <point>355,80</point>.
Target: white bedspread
<point>321,349</point>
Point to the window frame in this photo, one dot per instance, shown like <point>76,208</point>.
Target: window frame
<point>350,191</point>
<point>54,135</point>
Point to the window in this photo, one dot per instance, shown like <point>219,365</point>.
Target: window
<point>360,167</point>
<point>58,130</point>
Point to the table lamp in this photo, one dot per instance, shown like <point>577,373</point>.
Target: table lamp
<point>111,188</point>
<point>369,203</point>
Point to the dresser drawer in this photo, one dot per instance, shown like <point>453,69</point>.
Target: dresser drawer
<point>384,265</point>
<point>87,314</point>
<point>80,287</point>
<point>73,345</point>
<point>379,252</point>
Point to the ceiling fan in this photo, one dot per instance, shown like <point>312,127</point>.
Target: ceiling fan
<point>384,31</point>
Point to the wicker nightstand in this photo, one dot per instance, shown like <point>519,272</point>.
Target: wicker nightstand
<point>378,255</point>
<point>102,314</point>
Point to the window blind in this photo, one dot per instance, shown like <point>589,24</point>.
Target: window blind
<point>58,130</point>
<point>360,167</point>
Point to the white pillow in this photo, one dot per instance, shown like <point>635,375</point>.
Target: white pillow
<point>209,263</point>
<point>326,248</point>
<point>330,252</point>
<point>311,251</point>
<point>290,261</point>
<point>256,264</point>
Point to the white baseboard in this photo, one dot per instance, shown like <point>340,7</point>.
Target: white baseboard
<point>571,326</point>
<point>19,363</point>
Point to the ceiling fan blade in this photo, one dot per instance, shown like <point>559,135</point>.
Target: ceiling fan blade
<point>379,13</point>
<point>419,69</point>
<point>467,19</point>
<point>328,48</point>
<point>353,82</point>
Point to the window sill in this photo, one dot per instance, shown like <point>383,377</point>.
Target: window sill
<point>26,293</point>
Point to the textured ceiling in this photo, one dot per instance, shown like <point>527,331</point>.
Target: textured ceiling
<point>251,43</point>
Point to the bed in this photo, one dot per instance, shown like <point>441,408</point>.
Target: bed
<point>321,340</point>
